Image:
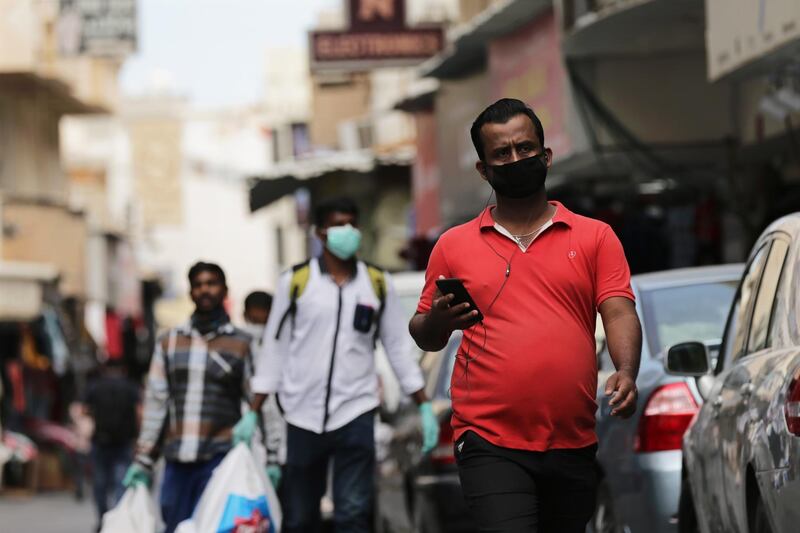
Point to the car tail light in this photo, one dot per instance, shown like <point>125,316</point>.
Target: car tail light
<point>443,453</point>
<point>667,415</point>
<point>792,408</point>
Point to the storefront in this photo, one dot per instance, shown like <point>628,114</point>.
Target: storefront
<point>32,352</point>
<point>754,50</point>
<point>380,186</point>
<point>641,138</point>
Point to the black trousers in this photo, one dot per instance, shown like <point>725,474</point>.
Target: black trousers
<point>352,449</point>
<point>532,492</point>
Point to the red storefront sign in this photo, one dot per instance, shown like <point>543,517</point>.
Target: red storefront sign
<point>377,33</point>
<point>377,15</point>
<point>347,46</point>
<point>527,65</point>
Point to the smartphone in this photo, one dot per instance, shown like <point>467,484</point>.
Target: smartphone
<point>456,287</point>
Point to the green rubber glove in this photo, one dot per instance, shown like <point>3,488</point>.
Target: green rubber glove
<point>137,475</point>
<point>245,428</point>
<point>274,474</point>
<point>430,427</point>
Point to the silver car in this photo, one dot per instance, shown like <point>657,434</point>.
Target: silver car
<point>639,459</point>
<point>742,453</point>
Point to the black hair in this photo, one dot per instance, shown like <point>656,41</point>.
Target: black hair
<point>258,299</point>
<point>501,112</point>
<point>213,268</point>
<point>334,205</point>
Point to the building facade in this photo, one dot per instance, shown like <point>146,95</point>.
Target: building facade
<point>669,120</point>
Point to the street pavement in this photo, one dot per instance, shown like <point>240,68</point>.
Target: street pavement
<point>56,512</point>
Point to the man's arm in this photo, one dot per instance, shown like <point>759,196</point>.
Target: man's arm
<point>426,335</point>
<point>154,415</point>
<point>432,330</point>
<point>268,363</point>
<point>247,377</point>
<point>399,348</point>
<point>624,338</point>
<point>436,320</point>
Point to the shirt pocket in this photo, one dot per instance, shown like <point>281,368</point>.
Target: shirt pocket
<point>364,317</point>
<point>364,309</point>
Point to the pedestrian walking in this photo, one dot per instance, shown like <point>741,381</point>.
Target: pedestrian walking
<point>257,306</point>
<point>524,385</point>
<point>112,402</point>
<point>82,426</point>
<point>198,378</point>
<point>319,359</point>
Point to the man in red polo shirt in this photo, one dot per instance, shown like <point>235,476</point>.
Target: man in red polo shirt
<point>525,380</point>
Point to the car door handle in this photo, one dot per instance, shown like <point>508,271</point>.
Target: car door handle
<point>746,390</point>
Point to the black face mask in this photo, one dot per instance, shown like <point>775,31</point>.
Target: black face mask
<point>520,179</point>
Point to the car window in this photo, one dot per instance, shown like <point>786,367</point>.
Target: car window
<point>733,341</point>
<point>762,312</point>
<point>669,317</point>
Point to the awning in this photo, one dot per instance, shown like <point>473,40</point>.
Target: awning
<point>287,177</point>
<point>55,93</point>
<point>698,164</point>
<point>467,51</point>
<point>768,64</point>
<point>419,97</point>
<point>22,289</point>
<point>637,28</point>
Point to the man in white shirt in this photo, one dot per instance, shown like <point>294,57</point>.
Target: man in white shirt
<point>318,357</point>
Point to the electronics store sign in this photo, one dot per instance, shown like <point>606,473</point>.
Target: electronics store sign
<point>377,33</point>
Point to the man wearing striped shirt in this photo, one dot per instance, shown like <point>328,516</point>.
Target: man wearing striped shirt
<point>198,380</point>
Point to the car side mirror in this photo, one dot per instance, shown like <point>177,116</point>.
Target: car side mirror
<point>687,359</point>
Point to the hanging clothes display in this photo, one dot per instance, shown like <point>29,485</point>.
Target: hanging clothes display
<point>114,343</point>
<point>30,350</point>
<point>58,344</point>
<point>15,379</point>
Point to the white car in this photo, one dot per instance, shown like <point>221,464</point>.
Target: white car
<point>741,455</point>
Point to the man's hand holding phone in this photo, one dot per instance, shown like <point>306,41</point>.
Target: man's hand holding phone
<point>446,316</point>
<point>452,309</point>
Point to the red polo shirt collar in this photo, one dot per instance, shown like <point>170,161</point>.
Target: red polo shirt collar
<point>562,216</point>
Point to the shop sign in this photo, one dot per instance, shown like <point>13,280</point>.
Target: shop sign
<point>105,28</point>
<point>377,34</point>
<point>739,32</point>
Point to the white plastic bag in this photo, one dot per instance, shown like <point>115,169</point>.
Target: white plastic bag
<point>135,513</point>
<point>238,499</point>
